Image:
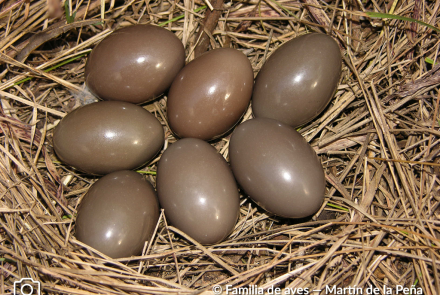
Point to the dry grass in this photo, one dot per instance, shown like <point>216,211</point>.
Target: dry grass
<point>378,142</point>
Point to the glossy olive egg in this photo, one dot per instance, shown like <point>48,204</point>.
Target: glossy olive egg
<point>298,80</point>
<point>108,136</point>
<point>210,94</point>
<point>134,64</point>
<point>277,168</point>
<point>197,190</point>
<point>118,214</point>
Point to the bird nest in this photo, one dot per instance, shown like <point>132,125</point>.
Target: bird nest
<point>378,142</point>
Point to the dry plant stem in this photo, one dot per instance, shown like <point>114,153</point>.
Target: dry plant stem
<point>22,100</point>
<point>209,23</point>
<point>244,25</point>
<point>66,54</point>
<point>28,25</point>
<point>42,73</point>
<point>285,247</point>
<point>378,141</point>
<point>215,258</point>
<point>40,38</point>
<point>172,247</point>
<point>434,119</point>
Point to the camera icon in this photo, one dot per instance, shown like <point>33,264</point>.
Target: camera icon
<point>26,286</point>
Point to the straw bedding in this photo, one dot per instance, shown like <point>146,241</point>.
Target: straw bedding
<point>378,142</point>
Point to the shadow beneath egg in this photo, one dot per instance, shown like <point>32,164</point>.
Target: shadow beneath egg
<point>324,215</point>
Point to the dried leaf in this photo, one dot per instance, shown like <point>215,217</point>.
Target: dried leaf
<point>54,31</point>
<point>244,25</point>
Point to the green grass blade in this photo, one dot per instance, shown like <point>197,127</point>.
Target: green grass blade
<point>337,207</point>
<point>69,18</point>
<point>146,172</point>
<point>398,17</point>
<point>179,17</point>
<point>429,61</point>
<point>416,282</point>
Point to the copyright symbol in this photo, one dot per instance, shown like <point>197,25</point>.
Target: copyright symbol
<point>217,290</point>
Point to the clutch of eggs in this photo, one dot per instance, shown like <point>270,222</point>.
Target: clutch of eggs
<point>270,160</point>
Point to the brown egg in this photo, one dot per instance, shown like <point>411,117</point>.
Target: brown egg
<point>210,94</point>
<point>298,80</point>
<point>197,190</point>
<point>134,64</point>
<point>277,168</point>
<point>108,136</point>
<point>118,214</point>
